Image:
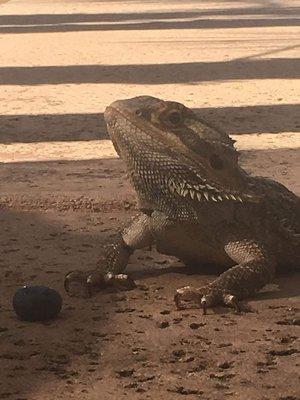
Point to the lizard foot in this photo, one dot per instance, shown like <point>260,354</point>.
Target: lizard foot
<point>86,284</point>
<point>119,281</point>
<point>206,299</point>
<point>187,294</point>
<point>76,285</point>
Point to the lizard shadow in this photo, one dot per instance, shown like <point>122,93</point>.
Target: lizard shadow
<point>285,285</point>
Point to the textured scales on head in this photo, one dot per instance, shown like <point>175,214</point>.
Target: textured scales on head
<point>176,161</point>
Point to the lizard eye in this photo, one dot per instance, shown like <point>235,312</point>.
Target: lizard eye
<point>174,117</point>
<point>139,112</point>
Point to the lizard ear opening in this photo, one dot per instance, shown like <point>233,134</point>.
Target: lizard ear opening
<point>216,162</point>
<point>175,117</point>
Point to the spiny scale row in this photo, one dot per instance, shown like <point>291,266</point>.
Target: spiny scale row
<point>201,192</point>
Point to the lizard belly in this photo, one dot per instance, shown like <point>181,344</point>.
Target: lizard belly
<point>191,244</point>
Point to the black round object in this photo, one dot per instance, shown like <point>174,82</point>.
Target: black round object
<point>37,303</point>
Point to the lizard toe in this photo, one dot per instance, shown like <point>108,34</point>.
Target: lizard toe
<point>122,282</point>
<point>187,294</point>
<point>76,285</point>
<point>231,301</point>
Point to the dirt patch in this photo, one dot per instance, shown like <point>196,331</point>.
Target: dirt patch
<point>126,344</point>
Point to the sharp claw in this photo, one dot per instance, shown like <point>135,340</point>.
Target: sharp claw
<point>94,278</point>
<point>186,294</point>
<point>122,282</point>
<point>231,301</point>
<point>203,303</point>
<point>85,284</point>
<point>75,284</point>
<point>210,299</point>
<point>121,277</point>
<point>108,277</point>
<point>177,301</point>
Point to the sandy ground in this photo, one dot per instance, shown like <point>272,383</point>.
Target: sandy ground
<point>64,192</point>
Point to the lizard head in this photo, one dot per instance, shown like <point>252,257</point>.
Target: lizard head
<point>168,148</point>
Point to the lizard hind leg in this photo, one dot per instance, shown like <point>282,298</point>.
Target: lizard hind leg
<point>254,269</point>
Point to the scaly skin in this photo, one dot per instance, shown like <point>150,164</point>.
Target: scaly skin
<point>196,203</point>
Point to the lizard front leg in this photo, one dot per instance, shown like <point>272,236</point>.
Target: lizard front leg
<point>112,264</point>
<point>254,269</point>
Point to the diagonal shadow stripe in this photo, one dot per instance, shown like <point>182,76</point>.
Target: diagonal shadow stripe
<point>154,25</point>
<point>40,19</point>
<point>153,74</point>
<point>68,127</point>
